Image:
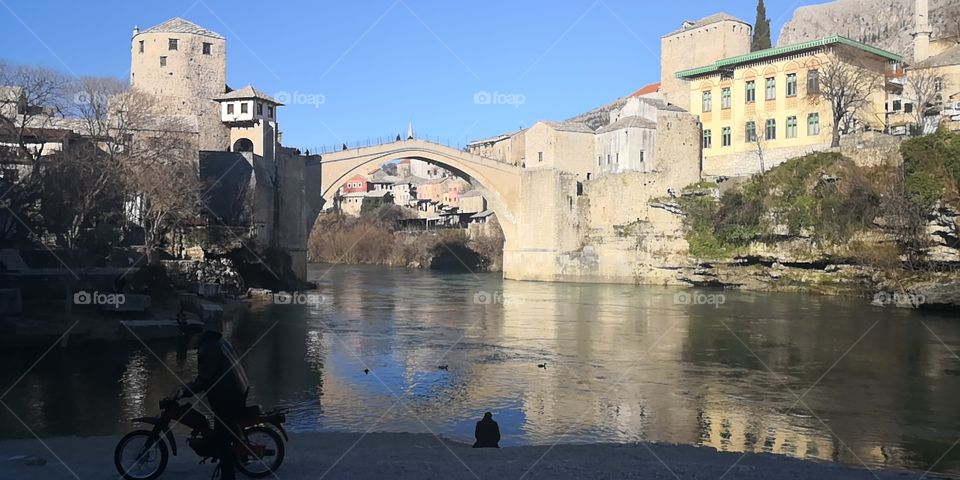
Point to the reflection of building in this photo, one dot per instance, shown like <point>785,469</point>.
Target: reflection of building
<point>762,108</point>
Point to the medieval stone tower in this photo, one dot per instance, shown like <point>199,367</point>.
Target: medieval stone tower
<point>697,44</point>
<point>185,67</point>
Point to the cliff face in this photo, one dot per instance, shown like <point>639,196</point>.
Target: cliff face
<point>886,24</point>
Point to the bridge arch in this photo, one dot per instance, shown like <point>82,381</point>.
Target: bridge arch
<point>499,182</point>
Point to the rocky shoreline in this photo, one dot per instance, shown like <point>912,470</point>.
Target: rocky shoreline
<point>422,456</point>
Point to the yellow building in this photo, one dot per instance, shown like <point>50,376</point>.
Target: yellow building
<point>763,108</point>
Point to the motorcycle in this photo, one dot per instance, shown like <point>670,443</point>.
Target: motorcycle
<point>143,454</point>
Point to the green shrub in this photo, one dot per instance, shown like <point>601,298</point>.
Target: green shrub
<point>931,167</point>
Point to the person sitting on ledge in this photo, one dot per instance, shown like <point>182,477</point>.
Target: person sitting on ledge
<point>487,432</point>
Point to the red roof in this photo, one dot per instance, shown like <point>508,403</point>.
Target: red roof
<point>652,88</point>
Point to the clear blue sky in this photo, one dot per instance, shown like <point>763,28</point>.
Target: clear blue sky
<point>378,64</point>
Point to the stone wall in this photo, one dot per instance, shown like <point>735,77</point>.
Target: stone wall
<point>605,229</point>
<point>871,149</point>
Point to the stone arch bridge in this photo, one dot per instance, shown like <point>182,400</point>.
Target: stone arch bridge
<point>502,184</point>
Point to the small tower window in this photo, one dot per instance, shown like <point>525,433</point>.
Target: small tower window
<point>163,61</point>
<point>229,109</point>
<point>172,44</point>
<point>244,107</point>
<point>270,111</point>
<point>207,47</point>
<point>259,108</point>
<point>141,46</point>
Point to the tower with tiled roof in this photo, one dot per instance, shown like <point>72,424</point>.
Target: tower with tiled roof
<point>185,66</point>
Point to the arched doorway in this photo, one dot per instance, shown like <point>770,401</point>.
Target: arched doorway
<point>243,145</point>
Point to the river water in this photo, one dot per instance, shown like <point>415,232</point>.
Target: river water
<point>799,375</point>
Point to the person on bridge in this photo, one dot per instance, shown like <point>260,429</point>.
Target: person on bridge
<point>344,146</point>
<point>398,137</point>
<point>487,433</point>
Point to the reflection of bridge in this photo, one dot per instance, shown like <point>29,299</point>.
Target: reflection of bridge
<point>499,182</point>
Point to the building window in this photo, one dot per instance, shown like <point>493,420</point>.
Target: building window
<point>897,104</point>
<point>813,124</point>
<point>725,98</point>
<point>908,107</point>
<point>539,156</point>
<point>172,44</point>
<point>771,133</point>
<point>259,108</point>
<point>141,46</point>
<point>727,137</point>
<point>751,91</point>
<point>599,160</point>
<point>229,109</point>
<point>938,84</point>
<point>750,133</point>
<point>791,127</point>
<point>813,82</point>
<point>244,107</point>
<point>163,61</point>
<point>270,111</point>
<point>207,47</point>
<point>707,101</point>
<point>792,85</point>
<point>771,89</point>
<point>707,138</point>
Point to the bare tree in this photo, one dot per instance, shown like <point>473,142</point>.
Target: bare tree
<point>921,89</point>
<point>32,101</point>
<point>89,175</point>
<point>160,171</point>
<point>847,85</point>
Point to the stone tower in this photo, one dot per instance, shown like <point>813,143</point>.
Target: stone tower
<point>185,67</point>
<point>697,44</point>
<point>922,32</point>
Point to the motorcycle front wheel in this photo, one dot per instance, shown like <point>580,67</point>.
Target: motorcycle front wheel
<point>261,453</point>
<point>140,455</point>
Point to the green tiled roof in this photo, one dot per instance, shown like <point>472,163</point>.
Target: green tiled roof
<point>785,50</point>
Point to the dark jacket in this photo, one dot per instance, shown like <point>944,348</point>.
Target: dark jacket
<point>487,434</point>
<point>219,374</point>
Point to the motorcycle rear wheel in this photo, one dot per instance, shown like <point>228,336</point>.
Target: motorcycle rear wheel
<point>130,455</point>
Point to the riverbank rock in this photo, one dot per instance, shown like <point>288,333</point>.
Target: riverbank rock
<point>188,274</point>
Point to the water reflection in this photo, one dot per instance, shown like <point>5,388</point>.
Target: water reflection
<point>762,373</point>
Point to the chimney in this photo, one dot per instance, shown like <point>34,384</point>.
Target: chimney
<point>922,32</point>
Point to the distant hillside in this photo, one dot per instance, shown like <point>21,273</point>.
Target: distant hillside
<point>883,23</point>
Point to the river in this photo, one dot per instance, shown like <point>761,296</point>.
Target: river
<point>800,375</point>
